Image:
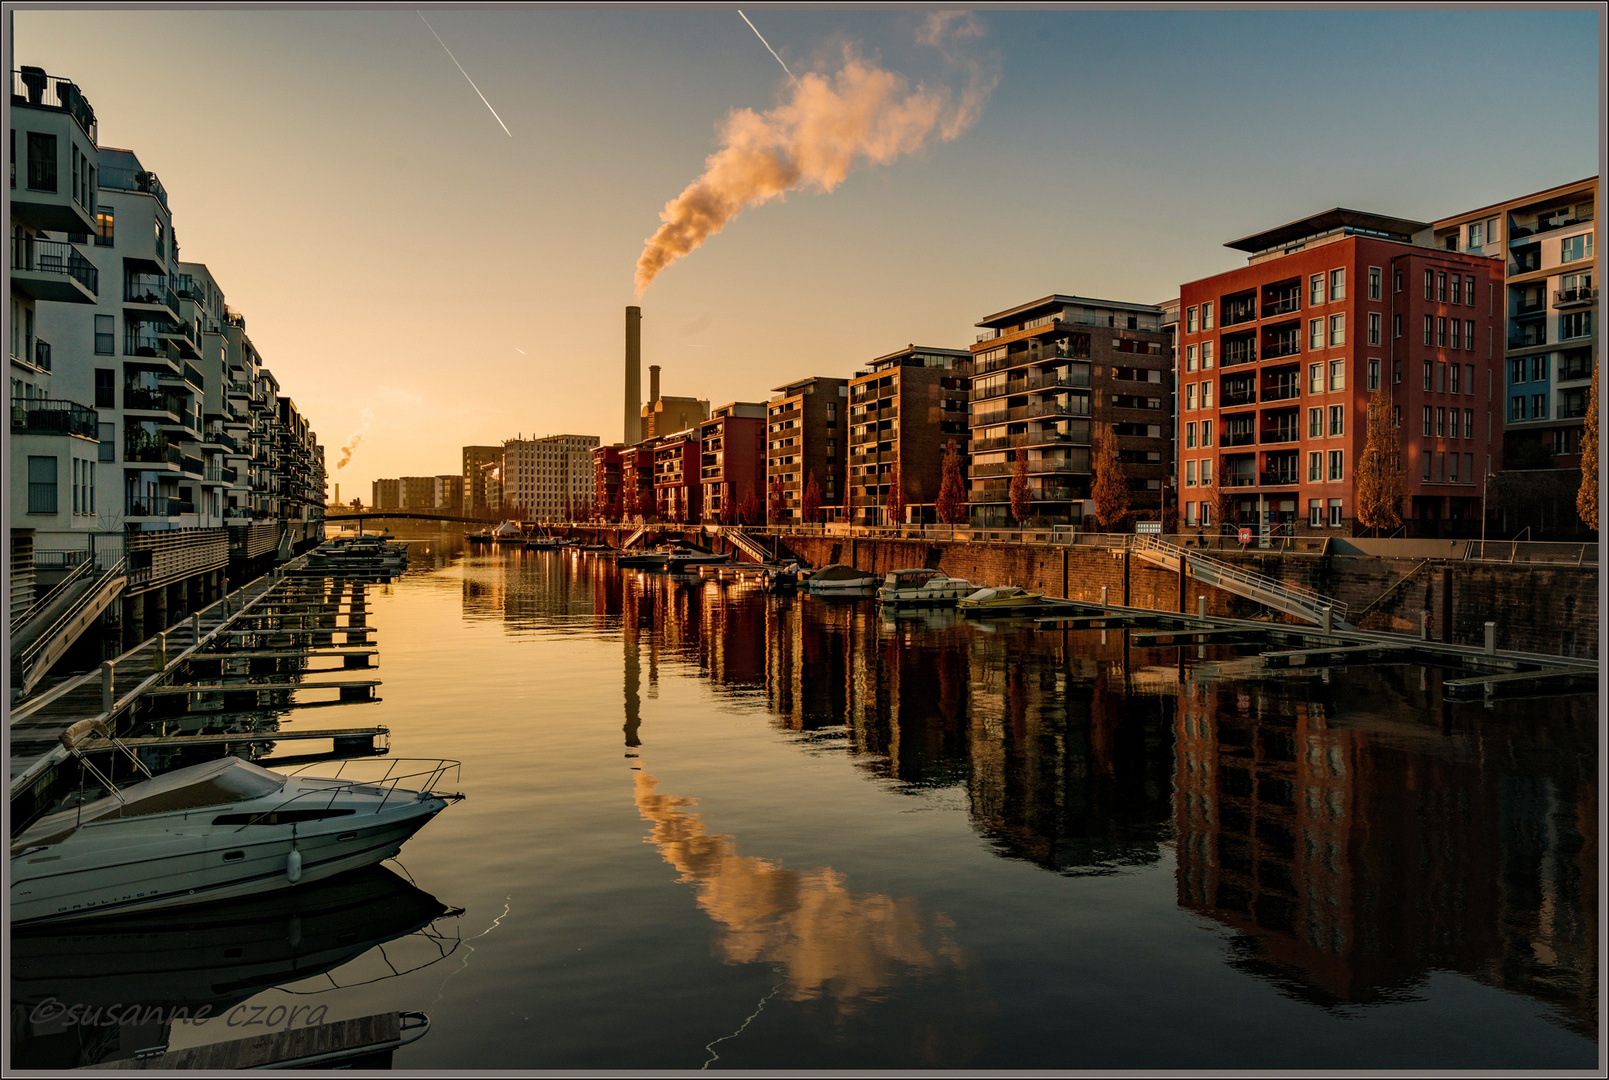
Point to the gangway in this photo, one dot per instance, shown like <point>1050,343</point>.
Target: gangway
<point>642,531</point>
<point>50,628</point>
<point>748,545</point>
<point>1268,591</point>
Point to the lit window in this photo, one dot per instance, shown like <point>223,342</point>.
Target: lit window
<point>1315,512</point>
<point>1335,513</point>
<point>1315,290</point>
<point>1315,378</point>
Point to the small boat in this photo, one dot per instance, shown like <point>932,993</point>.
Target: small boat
<point>683,559</point>
<point>646,560</point>
<point>217,830</point>
<point>508,533</point>
<point>839,578</point>
<point>1000,598</point>
<point>543,543</point>
<point>923,588</point>
<point>482,537</point>
<point>775,579</point>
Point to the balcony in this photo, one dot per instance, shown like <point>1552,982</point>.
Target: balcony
<point>1239,352</point>
<point>1282,305</point>
<point>1573,298</point>
<point>47,417</point>
<point>52,270</point>
<point>1560,219</point>
<point>1539,306</point>
<point>1285,433</point>
<point>1282,391</point>
<point>1528,336</point>
<point>150,290</point>
<point>1279,478</point>
<point>1238,438</point>
<point>1287,345</point>
<point>142,341</point>
<point>1232,398</point>
<point>138,398</point>
<point>150,451</point>
<point>1031,384</point>
<point>1242,312</point>
<point>32,86</point>
<point>1230,480</point>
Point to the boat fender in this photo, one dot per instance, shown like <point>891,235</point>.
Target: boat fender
<point>293,866</point>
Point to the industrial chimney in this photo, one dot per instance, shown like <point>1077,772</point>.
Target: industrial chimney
<point>633,428</point>
<point>653,384</point>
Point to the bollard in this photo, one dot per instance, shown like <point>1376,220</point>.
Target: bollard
<point>1201,607</point>
<point>106,687</point>
<point>1324,610</point>
<point>195,625</point>
<point>1491,639</point>
<point>1103,594</point>
<point>159,659</point>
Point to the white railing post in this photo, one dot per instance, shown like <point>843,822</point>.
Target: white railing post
<point>107,697</point>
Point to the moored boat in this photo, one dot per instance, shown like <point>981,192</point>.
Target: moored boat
<point>923,588</point>
<point>1000,599</point>
<point>839,578</point>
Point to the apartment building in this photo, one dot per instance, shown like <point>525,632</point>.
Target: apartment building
<point>1548,308</point>
<point>637,496</point>
<point>549,478</point>
<point>731,464</point>
<point>1280,357</point>
<point>903,410</point>
<point>678,495</point>
<point>476,458</point>
<point>606,481</point>
<point>385,495</point>
<point>807,436</point>
<point>416,492</point>
<point>1043,373</point>
<point>450,493</point>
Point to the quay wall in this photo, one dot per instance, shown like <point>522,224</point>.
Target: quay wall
<point>1537,608</point>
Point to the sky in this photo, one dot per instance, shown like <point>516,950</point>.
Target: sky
<point>412,272</point>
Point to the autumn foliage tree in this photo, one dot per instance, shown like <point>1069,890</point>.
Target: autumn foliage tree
<point>779,502</point>
<point>748,512</point>
<point>810,505</point>
<point>896,498</point>
<point>1379,472</point>
<point>1110,487</point>
<point>1586,500</point>
<point>1022,503</point>
<point>951,505</point>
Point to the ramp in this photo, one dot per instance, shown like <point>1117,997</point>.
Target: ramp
<point>748,545</point>
<point>49,629</point>
<point>1270,592</point>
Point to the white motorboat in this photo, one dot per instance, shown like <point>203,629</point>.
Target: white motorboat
<point>1001,599</point>
<point>685,559</point>
<point>923,588</point>
<point>214,831</point>
<point>839,578</point>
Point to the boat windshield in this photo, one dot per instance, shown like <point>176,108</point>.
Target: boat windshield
<point>897,578</point>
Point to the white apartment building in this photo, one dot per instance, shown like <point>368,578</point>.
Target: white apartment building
<point>549,478</point>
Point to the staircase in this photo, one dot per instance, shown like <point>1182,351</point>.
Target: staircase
<point>1267,591</point>
<point>642,531</point>
<point>44,633</point>
<point>748,545</point>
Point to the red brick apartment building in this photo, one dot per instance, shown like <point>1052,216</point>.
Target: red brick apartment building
<point>807,435</point>
<point>677,490</point>
<point>732,459</point>
<point>606,480</point>
<point>637,480</point>
<point>1277,360</point>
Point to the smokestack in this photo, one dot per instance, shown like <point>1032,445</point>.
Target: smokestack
<point>633,428</point>
<point>337,494</point>
<point>653,384</point>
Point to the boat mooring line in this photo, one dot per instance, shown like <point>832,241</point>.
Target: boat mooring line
<point>471,948</point>
<point>781,974</point>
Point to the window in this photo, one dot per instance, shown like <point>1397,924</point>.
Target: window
<point>42,177</point>
<point>1206,316</point>
<point>1516,370</point>
<point>1539,406</point>
<point>1577,324</point>
<point>1315,512</point>
<point>1441,423</point>
<point>78,484</point>
<point>1337,329</point>
<point>1571,248</point>
<point>1516,408</point>
<point>1475,240</point>
<point>1189,474</point>
<point>105,330</point>
<point>1469,334</point>
<point>1315,290</point>
<point>1457,337</point>
<point>1539,368</point>
<point>1441,288</point>
<point>1424,459</point>
<point>1315,378</point>
<point>1206,355</point>
<point>1458,290</point>
<point>1315,335</point>
<point>1337,419</point>
<point>1426,428</point>
<point>1396,416</point>
<point>1469,287</point>
<point>1190,435</point>
<point>1469,468</point>
<point>107,433</point>
<point>1337,458</point>
<point>105,388</point>
<point>1396,281</point>
<point>1452,468</point>
<point>1206,472</point>
<point>1396,372</point>
<point>1428,327</point>
<point>1190,356</point>
<point>1337,374</point>
<point>1469,379</point>
<point>1335,513</point>
<point>1441,378</point>
<point>1396,326</point>
<point>1190,396</point>
<point>1441,333</point>
<point>1337,285</point>
<point>1315,467</point>
<point>1189,513</point>
<point>1374,283</point>
<point>1206,513</point>
<point>1469,424</point>
<point>1315,423</point>
<point>1206,395</point>
<point>103,226</point>
<point>1374,328</point>
<point>41,479</point>
<point>1455,378</point>
<point>1430,285</point>
<point>1206,433</point>
<point>1374,374</point>
<point>1441,467</point>
<point>1190,320</point>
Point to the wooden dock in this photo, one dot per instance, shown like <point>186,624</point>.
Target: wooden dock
<point>365,1042</point>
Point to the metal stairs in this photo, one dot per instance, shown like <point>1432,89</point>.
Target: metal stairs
<point>44,633</point>
<point>1269,592</point>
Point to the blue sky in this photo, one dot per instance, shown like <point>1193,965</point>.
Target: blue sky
<point>392,248</point>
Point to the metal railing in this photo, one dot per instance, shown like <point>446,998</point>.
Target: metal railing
<point>43,416</point>
<point>32,86</point>
<point>31,254</point>
<point>1282,306</point>
<point>79,570</point>
<point>1574,296</point>
<point>28,661</point>
<point>1254,586</point>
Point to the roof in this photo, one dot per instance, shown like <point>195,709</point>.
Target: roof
<point>799,384</point>
<point>1326,222</point>
<point>1535,196</point>
<point>1056,300</point>
<point>961,354</point>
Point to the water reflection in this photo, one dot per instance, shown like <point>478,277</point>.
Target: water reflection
<point>1352,831</point>
<point>827,940</point>
<point>213,957</point>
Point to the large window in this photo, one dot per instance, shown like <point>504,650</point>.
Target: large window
<point>1374,374</point>
<point>1374,283</point>
<point>1337,419</point>
<point>107,433</point>
<point>1374,327</point>
<point>104,226</point>
<point>105,388</point>
<point>1315,467</point>
<point>1337,464</point>
<point>1315,423</point>
<point>1571,248</point>
<point>1469,334</point>
<point>105,336</point>
<point>1190,320</point>
<point>1337,285</point>
<point>1315,290</point>
<point>1337,330</point>
<point>41,483</point>
<point>1576,324</point>
<point>1335,513</point>
<point>1458,289</point>
<point>1206,316</point>
<point>41,169</point>
<point>1315,335</point>
<point>1337,374</point>
<point>1315,378</point>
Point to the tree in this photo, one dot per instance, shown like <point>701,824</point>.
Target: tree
<point>1379,474</point>
<point>810,506</point>
<point>951,505</point>
<point>728,512</point>
<point>1110,488</point>
<point>1021,500</point>
<point>749,512</point>
<point>779,502</point>
<point>895,505</point>
<point>1223,507</point>
<point>1586,500</point>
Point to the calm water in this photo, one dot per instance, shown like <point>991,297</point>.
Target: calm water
<point>707,825</point>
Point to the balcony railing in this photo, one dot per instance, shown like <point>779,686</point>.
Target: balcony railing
<point>1282,392</point>
<point>1282,305</point>
<point>149,289</point>
<point>1231,398</point>
<point>145,342</point>
<point>1281,435</point>
<point>1573,297</point>
<point>1238,438</point>
<point>31,254</point>
<point>1282,347</point>
<point>1573,411</point>
<point>1531,307</point>
<point>1533,335</point>
<point>151,452</point>
<point>1237,480</point>
<point>1239,313</point>
<point>48,417</point>
<point>152,399</point>
<point>192,465</point>
<point>1244,355</point>
<point>31,86</point>
<point>1279,478</point>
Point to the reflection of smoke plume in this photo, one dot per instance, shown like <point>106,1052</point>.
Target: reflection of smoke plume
<point>828,939</point>
<point>826,127</point>
<point>355,441</point>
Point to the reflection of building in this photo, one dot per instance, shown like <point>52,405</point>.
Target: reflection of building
<point>1358,858</point>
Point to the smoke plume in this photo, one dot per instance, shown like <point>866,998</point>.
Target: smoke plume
<point>827,127</point>
<point>356,440</point>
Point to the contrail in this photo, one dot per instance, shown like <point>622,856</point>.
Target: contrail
<point>764,42</point>
<point>471,82</point>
